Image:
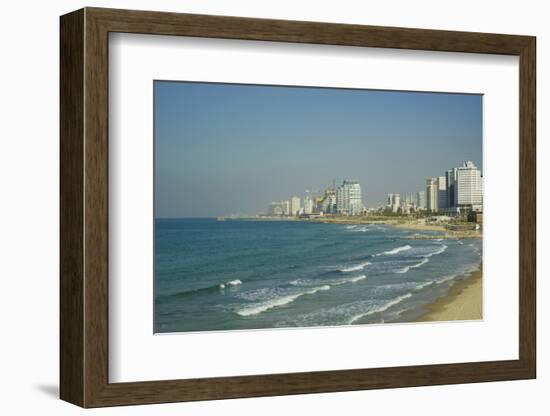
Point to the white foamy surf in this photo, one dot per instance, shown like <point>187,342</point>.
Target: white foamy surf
<point>329,282</point>
<point>438,251</point>
<point>350,280</point>
<point>382,308</point>
<point>355,268</point>
<point>446,278</point>
<point>423,285</point>
<point>394,251</point>
<point>414,266</point>
<point>280,301</point>
<point>235,282</point>
<point>263,288</point>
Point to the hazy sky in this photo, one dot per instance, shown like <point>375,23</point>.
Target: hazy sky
<point>225,149</point>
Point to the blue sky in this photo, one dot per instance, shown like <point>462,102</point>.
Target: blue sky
<point>224,149</point>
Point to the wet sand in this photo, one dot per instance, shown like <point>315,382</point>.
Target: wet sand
<point>464,302</point>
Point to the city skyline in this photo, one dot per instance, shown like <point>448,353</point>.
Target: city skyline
<point>460,188</point>
<point>223,149</point>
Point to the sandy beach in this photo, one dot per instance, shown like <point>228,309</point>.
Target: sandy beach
<point>449,234</point>
<point>412,225</point>
<point>420,227</point>
<point>464,302</point>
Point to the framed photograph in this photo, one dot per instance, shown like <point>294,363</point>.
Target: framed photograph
<point>255,207</point>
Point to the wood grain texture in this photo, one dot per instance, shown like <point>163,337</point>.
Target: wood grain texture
<point>71,203</point>
<point>84,207</point>
<point>527,208</point>
<point>96,208</point>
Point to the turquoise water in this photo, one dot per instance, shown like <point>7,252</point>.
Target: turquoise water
<point>225,275</point>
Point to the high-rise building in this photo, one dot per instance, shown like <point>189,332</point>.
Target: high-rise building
<point>349,199</point>
<point>441,193</point>
<point>308,204</point>
<point>450,177</point>
<point>394,202</point>
<point>432,194</point>
<point>328,203</point>
<point>286,207</point>
<point>469,187</point>
<point>295,205</point>
<point>421,200</point>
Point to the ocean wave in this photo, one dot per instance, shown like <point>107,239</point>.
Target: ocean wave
<point>330,282</point>
<point>381,308</point>
<point>436,252</point>
<point>424,261</point>
<point>350,280</point>
<point>277,301</point>
<point>465,272</point>
<point>394,251</point>
<point>473,246</point>
<point>391,288</point>
<point>355,268</point>
<point>344,314</point>
<point>204,290</point>
<point>235,282</point>
<point>423,285</point>
<point>414,266</point>
<point>446,278</point>
<point>351,227</point>
<point>393,315</point>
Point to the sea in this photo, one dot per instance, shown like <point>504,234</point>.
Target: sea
<point>215,275</point>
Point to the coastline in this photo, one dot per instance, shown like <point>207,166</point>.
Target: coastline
<point>406,224</point>
<point>463,302</point>
<point>420,227</point>
<point>291,275</point>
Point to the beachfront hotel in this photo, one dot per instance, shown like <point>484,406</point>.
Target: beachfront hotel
<point>295,205</point>
<point>308,205</point>
<point>441,193</point>
<point>394,202</point>
<point>349,199</point>
<point>469,187</point>
<point>327,203</point>
<point>450,177</point>
<point>421,200</point>
<point>432,195</point>
<point>460,188</point>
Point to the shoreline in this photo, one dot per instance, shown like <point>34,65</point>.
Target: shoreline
<point>464,302</point>
<point>420,227</point>
<point>448,234</point>
<point>397,223</point>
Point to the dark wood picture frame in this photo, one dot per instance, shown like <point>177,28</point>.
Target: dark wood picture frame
<point>84,207</point>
